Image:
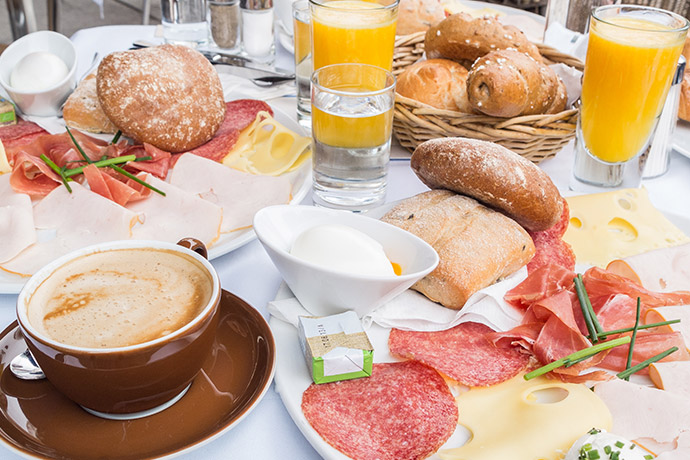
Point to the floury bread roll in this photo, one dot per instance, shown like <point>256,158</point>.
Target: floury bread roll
<point>169,96</point>
<point>439,83</point>
<point>463,39</point>
<point>418,15</point>
<point>83,111</point>
<point>477,246</point>
<point>493,175</point>
<point>509,83</point>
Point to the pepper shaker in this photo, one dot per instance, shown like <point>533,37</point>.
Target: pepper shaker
<point>224,17</point>
<point>257,29</point>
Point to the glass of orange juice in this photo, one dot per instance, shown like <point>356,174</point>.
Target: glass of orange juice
<point>352,122</point>
<point>361,31</point>
<point>631,58</point>
<point>301,18</point>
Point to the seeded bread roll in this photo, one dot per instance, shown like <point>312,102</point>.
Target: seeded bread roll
<point>83,111</point>
<point>463,39</point>
<point>440,83</point>
<point>169,96</point>
<point>493,175</point>
<point>509,83</point>
<point>477,246</point>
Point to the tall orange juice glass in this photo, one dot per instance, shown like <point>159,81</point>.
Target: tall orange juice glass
<point>356,31</point>
<point>632,55</point>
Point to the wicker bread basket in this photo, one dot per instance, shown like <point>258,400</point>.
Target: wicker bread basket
<point>535,137</point>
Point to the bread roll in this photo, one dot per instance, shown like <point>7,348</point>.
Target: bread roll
<point>684,102</point>
<point>463,39</point>
<point>169,96</point>
<point>83,111</point>
<point>439,83</point>
<point>493,175</point>
<point>509,83</point>
<point>476,245</point>
<point>418,15</point>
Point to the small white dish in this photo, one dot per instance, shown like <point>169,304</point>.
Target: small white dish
<point>324,291</point>
<point>47,102</point>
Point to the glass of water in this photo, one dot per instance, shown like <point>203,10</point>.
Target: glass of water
<point>303,65</point>
<point>184,22</point>
<point>352,122</point>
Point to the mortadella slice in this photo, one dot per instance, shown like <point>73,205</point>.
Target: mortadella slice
<point>660,270</point>
<point>671,376</point>
<point>240,194</point>
<point>17,230</point>
<point>78,219</point>
<point>178,214</point>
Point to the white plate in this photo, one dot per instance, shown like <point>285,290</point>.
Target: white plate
<point>301,183</point>
<point>292,377</point>
<point>681,138</point>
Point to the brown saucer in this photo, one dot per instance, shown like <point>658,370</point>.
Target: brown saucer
<point>38,421</point>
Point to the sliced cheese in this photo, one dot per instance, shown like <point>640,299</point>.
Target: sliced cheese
<point>614,225</point>
<point>4,163</point>
<point>526,420</point>
<point>269,148</point>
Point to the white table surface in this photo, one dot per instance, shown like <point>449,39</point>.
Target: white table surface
<point>268,433</point>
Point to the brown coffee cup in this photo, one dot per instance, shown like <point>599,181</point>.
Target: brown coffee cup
<point>101,346</point>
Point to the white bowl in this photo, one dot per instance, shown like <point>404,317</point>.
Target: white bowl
<point>324,291</point>
<point>47,102</point>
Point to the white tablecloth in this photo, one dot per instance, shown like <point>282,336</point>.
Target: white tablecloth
<point>268,433</point>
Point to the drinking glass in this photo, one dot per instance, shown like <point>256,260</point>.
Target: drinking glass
<point>631,58</point>
<point>184,22</point>
<point>352,121</point>
<point>353,31</point>
<point>303,68</point>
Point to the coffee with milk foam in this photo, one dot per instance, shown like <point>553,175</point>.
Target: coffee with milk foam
<point>120,297</point>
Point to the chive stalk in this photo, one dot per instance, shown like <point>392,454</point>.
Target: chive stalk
<point>641,326</point>
<point>632,338</point>
<point>57,169</point>
<point>101,163</point>
<point>76,144</point>
<point>136,179</point>
<point>582,297</point>
<point>117,137</point>
<point>638,367</point>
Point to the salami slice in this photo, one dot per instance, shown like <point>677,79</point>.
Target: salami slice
<point>463,353</point>
<point>403,411</point>
<point>238,115</point>
<point>11,135</point>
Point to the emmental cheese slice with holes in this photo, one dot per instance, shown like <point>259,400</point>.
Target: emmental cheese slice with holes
<point>526,420</point>
<point>613,225</point>
<point>4,164</point>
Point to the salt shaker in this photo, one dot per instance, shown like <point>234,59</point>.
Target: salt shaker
<point>662,144</point>
<point>257,29</point>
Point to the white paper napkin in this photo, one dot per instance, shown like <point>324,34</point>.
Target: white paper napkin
<point>412,311</point>
<point>235,87</point>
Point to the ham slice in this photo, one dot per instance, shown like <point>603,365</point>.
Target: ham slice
<point>77,219</point>
<point>672,376</point>
<point>240,194</point>
<point>178,214</point>
<point>17,230</point>
<point>641,412</point>
<point>646,345</point>
<point>660,270</point>
<point>681,312</point>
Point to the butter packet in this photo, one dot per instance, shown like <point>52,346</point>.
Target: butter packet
<point>7,113</point>
<point>336,347</point>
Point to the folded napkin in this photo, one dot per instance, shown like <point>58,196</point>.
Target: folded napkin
<point>235,87</point>
<point>412,311</point>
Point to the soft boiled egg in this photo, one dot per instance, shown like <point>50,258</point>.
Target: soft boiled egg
<point>38,71</point>
<point>343,249</point>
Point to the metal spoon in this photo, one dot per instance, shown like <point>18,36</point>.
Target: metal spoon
<point>24,367</point>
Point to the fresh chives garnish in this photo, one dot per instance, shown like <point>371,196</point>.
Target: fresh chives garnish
<point>586,352</point>
<point>136,179</point>
<point>57,169</point>
<point>645,363</point>
<point>641,326</point>
<point>76,144</point>
<point>581,295</point>
<point>101,163</point>
<point>146,158</point>
<point>632,339</point>
<point>619,444</point>
<point>117,136</point>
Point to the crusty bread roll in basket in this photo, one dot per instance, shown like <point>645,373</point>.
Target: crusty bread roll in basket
<point>535,137</point>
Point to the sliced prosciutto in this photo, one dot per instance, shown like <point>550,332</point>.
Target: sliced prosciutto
<point>239,194</point>
<point>17,230</point>
<point>176,215</point>
<point>78,219</point>
<point>113,186</point>
<point>238,115</point>
<point>404,411</point>
<point>158,165</point>
<point>550,247</point>
<point>463,353</point>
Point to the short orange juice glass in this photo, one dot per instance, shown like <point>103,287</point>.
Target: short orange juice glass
<point>356,31</point>
<point>631,58</point>
<point>352,122</point>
